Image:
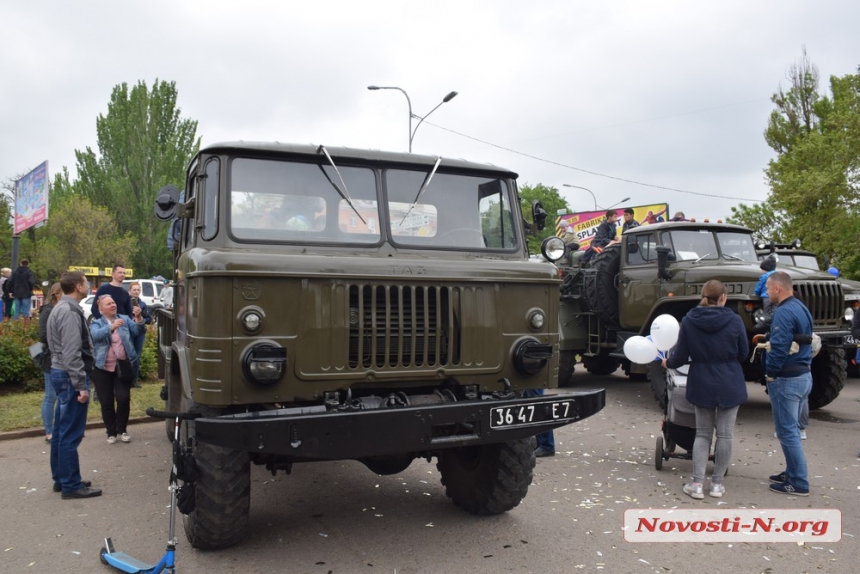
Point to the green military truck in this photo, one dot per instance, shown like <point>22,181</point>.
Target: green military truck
<point>335,303</point>
<point>661,268</point>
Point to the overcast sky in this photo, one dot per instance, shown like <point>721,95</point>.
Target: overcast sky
<point>671,94</point>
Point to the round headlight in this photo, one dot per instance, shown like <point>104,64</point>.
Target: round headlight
<point>849,314</point>
<point>537,320</point>
<point>552,248</point>
<point>758,316</point>
<point>264,364</point>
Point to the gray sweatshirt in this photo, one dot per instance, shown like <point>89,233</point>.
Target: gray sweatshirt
<point>69,341</point>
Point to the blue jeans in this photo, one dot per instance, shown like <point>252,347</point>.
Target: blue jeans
<point>48,404</point>
<point>70,420</point>
<point>786,396</point>
<point>22,307</point>
<point>138,346</point>
<point>545,440</point>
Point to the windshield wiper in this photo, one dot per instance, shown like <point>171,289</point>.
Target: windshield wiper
<point>345,193</point>
<point>735,257</point>
<point>423,187</point>
<point>702,257</point>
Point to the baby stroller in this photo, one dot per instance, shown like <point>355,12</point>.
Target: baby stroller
<point>679,424</point>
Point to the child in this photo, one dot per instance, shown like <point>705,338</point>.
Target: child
<point>768,266</point>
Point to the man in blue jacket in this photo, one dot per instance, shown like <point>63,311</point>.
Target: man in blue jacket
<point>789,381</point>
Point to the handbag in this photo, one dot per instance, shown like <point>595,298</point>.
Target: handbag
<point>124,371</point>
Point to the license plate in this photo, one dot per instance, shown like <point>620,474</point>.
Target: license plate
<point>849,340</point>
<point>532,414</point>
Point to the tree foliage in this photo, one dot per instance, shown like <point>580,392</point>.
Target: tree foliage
<point>815,179</point>
<point>552,202</point>
<point>143,144</point>
<point>765,222</point>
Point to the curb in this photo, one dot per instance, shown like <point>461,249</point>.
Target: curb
<point>40,431</point>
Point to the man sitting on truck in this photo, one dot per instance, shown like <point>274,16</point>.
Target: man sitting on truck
<point>605,235</point>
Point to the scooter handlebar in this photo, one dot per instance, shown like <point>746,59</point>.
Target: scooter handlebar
<point>168,415</point>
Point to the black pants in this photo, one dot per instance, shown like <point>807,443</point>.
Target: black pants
<point>110,389</point>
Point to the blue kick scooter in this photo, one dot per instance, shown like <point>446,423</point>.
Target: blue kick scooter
<point>183,469</point>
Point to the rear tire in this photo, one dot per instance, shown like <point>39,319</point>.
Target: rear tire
<point>828,377</point>
<point>488,479</point>
<point>658,454</point>
<point>220,518</point>
<point>601,364</point>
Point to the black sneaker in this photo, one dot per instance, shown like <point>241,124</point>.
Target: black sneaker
<point>541,452</point>
<point>788,488</point>
<point>58,488</point>
<point>781,477</point>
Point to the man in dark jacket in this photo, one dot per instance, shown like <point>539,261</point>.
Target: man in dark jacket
<point>23,280</point>
<point>605,235</point>
<point>789,381</point>
<point>629,221</point>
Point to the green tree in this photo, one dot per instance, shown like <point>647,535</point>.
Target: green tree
<point>143,144</point>
<point>815,179</point>
<point>766,222</point>
<point>82,234</point>
<point>552,202</point>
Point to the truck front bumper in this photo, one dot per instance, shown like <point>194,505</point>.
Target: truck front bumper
<point>315,433</point>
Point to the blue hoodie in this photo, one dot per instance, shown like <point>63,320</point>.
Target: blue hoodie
<point>790,318</point>
<point>714,342</point>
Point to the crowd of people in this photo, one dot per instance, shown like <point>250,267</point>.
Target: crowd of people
<point>76,357</point>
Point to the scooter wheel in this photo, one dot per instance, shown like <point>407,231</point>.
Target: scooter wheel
<point>102,553</point>
<point>658,454</point>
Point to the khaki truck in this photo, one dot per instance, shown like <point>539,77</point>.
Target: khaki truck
<point>792,254</point>
<point>345,304</point>
<point>661,268</point>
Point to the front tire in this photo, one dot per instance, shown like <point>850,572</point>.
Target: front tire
<point>488,479</point>
<point>566,367</point>
<point>828,377</point>
<point>220,518</point>
<point>601,364</point>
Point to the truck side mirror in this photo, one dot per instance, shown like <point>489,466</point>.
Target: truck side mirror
<point>166,202</point>
<point>663,262</point>
<point>538,215</point>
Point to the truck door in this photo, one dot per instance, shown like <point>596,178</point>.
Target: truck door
<point>638,284</point>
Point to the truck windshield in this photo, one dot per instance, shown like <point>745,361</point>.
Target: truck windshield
<point>705,244</point>
<point>300,202</point>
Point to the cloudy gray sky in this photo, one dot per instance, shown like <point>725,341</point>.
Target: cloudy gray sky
<point>667,93</point>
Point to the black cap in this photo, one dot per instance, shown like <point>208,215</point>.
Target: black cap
<point>768,264</point>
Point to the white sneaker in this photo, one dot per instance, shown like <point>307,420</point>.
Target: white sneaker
<point>111,440</point>
<point>802,434</point>
<point>125,437</point>
<point>695,490</point>
<point>716,490</point>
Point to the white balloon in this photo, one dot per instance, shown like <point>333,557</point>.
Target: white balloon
<point>664,332</point>
<point>640,350</point>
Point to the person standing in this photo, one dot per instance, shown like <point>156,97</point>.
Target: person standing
<point>167,295</point>
<point>112,341</point>
<point>71,363</point>
<point>140,339</point>
<point>713,341</point>
<point>789,381</point>
<point>49,402</point>
<point>6,292</point>
<point>23,280</point>
<point>629,221</point>
<point>116,291</point>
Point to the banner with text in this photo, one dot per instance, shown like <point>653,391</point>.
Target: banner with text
<point>31,199</point>
<point>584,224</point>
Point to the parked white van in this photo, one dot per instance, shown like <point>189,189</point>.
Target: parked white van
<point>150,291</point>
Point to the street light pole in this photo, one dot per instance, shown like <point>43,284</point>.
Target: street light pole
<point>617,202</point>
<point>586,189</point>
<point>450,96</point>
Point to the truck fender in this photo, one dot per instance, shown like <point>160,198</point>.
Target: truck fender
<point>180,355</point>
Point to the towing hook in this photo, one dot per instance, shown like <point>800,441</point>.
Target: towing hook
<point>507,384</point>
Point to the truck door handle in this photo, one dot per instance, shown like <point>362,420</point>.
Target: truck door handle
<point>624,280</point>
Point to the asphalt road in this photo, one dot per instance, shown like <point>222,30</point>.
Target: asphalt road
<point>340,518</point>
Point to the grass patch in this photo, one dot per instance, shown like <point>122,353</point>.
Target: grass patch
<point>24,410</point>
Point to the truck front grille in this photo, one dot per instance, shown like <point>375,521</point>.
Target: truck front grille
<point>824,300</point>
<point>403,326</point>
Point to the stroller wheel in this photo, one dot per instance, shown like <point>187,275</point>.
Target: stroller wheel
<point>658,454</point>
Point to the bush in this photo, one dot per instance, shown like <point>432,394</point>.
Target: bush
<point>16,366</point>
<point>148,357</point>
